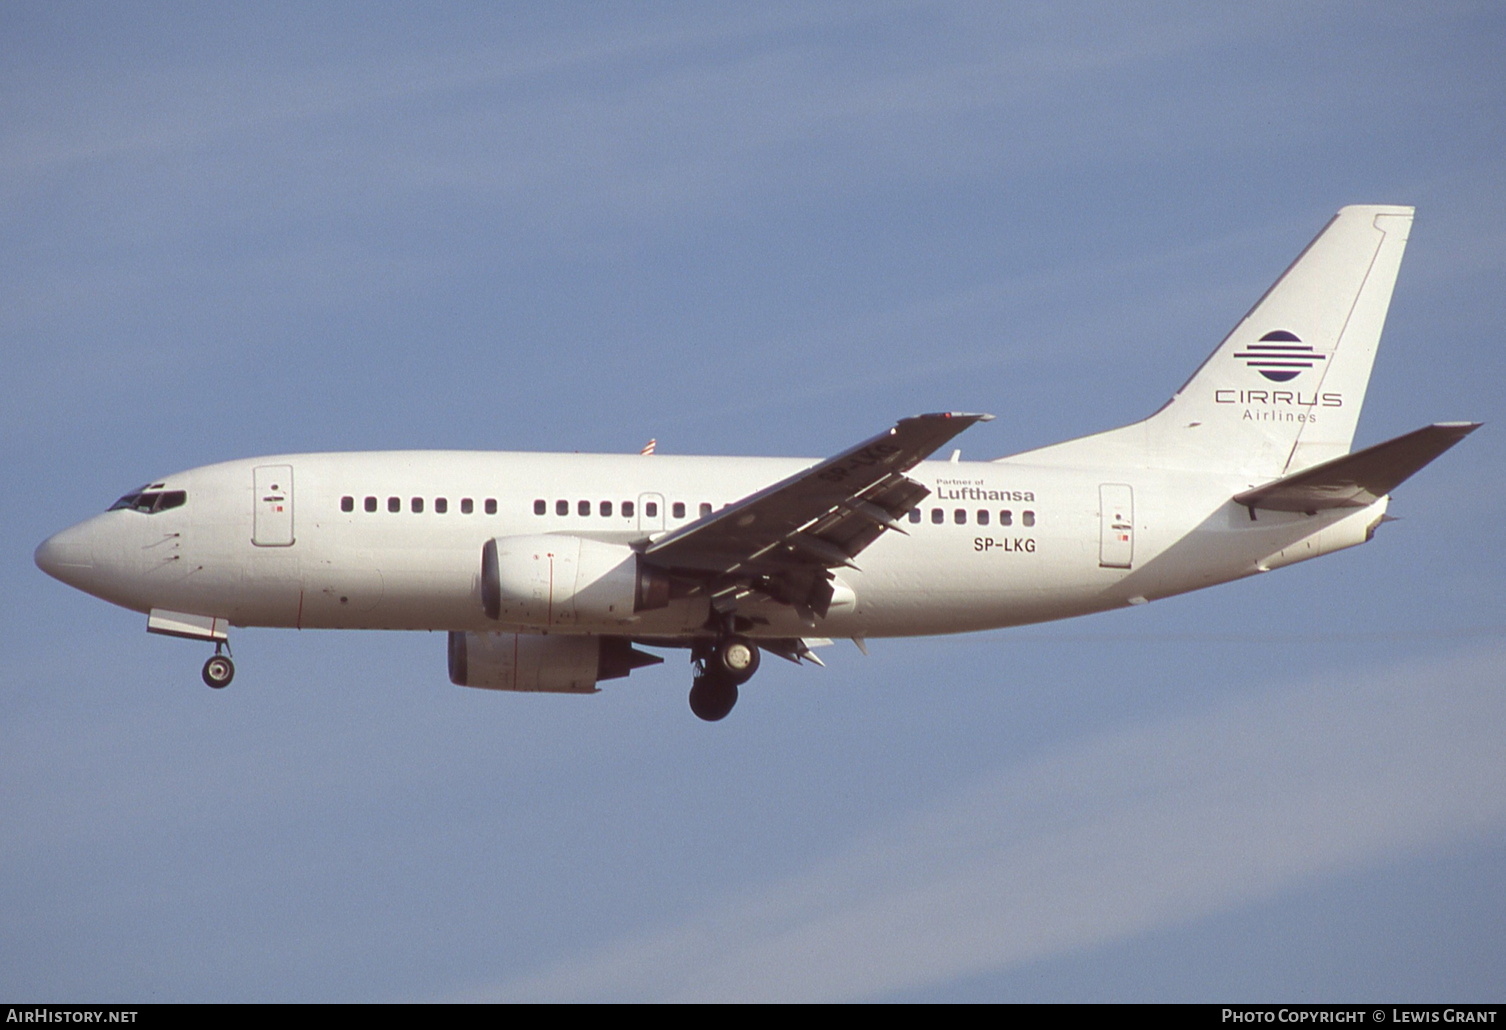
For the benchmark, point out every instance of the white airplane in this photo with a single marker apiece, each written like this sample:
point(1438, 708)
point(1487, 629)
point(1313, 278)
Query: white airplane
point(549, 571)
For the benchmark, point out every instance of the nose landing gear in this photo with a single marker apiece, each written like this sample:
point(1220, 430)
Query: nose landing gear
point(219, 670)
point(721, 668)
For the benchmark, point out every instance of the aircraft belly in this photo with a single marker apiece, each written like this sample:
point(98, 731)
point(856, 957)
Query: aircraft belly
point(342, 593)
point(269, 593)
point(962, 583)
point(393, 588)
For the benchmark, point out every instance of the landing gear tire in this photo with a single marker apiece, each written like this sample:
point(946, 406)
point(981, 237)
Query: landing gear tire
point(712, 696)
point(736, 658)
point(219, 671)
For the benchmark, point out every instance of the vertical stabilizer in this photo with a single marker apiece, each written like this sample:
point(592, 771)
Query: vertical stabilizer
point(1284, 389)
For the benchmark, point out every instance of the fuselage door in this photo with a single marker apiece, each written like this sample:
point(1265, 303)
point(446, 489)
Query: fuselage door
point(272, 518)
point(650, 513)
point(1116, 526)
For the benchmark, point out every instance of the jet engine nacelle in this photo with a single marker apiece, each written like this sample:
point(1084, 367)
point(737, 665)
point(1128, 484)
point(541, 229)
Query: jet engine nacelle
point(535, 662)
point(550, 581)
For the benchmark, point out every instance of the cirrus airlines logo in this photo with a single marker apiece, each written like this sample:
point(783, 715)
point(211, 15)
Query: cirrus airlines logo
point(1280, 356)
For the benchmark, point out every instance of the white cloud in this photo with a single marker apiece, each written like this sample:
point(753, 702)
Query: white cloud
point(1129, 830)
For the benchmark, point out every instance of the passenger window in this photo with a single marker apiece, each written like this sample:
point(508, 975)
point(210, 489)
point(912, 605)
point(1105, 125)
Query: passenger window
point(914, 514)
point(491, 506)
point(705, 509)
point(347, 504)
point(418, 505)
point(627, 509)
point(562, 507)
point(1006, 518)
point(582, 508)
point(937, 516)
point(467, 506)
point(960, 516)
point(678, 510)
point(1027, 518)
point(539, 507)
point(441, 505)
point(982, 516)
point(651, 509)
point(371, 504)
point(605, 507)
point(394, 504)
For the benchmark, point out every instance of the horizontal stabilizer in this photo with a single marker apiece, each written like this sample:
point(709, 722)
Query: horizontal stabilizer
point(1358, 480)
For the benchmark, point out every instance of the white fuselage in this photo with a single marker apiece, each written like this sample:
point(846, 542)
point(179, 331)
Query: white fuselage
point(269, 542)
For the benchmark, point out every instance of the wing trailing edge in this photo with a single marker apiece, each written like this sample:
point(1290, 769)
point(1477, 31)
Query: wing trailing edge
point(819, 518)
point(1360, 479)
point(783, 541)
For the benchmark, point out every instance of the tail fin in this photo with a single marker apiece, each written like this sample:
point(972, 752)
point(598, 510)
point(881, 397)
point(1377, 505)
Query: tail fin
point(1283, 391)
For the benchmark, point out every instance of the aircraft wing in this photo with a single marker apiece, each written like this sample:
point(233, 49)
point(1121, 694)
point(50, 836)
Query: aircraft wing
point(1360, 479)
point(788, 535)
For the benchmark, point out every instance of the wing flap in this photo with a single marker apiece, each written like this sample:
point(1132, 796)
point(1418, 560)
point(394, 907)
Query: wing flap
point(1360, 479)
point(820, 518)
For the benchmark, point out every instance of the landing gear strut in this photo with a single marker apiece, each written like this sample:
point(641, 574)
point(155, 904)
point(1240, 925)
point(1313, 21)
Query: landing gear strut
point(219, 670)
point(721, 669)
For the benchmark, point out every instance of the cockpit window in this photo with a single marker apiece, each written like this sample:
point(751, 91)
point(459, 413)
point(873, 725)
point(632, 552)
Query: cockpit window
point(150, 502)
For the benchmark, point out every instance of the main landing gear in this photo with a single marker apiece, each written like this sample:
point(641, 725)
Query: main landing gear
point(219, 670)
point(721, 668)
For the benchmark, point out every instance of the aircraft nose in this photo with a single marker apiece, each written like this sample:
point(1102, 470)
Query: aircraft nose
point(67, 555)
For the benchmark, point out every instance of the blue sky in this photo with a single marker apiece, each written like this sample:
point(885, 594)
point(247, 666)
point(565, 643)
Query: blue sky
point(774, 230)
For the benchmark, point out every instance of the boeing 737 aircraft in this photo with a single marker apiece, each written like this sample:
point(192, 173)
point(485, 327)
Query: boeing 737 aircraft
point(551, 571)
